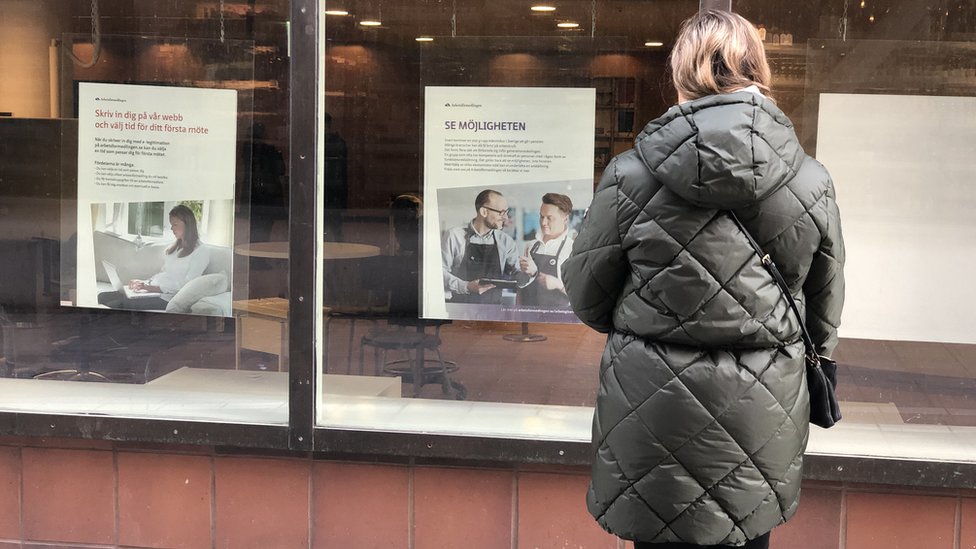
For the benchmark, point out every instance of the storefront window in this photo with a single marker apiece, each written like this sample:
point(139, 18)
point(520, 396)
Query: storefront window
point(143, 160)
point(145, 147)
point(881, 92)
point(435, 108)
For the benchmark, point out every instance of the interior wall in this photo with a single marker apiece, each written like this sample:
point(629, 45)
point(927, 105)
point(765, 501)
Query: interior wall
point(374, 93)
point(27, 28)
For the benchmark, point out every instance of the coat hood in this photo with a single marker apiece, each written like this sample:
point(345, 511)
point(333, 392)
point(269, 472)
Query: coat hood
point(722, 151)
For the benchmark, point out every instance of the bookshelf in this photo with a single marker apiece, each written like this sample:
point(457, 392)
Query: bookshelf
point(616, 108)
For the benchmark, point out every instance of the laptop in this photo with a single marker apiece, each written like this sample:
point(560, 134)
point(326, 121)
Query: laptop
point(113, 277)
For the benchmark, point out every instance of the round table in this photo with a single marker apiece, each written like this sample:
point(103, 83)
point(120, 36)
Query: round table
point(331, 250)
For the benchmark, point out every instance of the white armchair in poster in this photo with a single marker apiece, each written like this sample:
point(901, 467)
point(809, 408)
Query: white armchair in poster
point(205, 295)
point(508, 173)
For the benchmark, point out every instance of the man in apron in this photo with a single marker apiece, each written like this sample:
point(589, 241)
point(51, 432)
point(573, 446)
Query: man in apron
point(479, 251)
point(544, 257)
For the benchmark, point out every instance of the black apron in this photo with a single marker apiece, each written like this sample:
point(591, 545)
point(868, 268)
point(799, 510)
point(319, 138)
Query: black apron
point(534, 294)
point(480, 261)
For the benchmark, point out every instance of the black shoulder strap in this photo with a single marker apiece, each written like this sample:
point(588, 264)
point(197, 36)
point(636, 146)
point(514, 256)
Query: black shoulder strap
point(771, 267)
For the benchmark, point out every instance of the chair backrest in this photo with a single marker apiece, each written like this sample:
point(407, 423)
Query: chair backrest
point(404, 286)
point(405, 213)
point(393, 285)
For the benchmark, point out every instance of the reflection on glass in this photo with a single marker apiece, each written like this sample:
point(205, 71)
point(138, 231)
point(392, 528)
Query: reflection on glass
point(832, 47)
point(138, 247)
point(373, 327)
point(877, 90)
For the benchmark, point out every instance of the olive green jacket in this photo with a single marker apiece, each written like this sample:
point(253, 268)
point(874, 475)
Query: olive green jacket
point(702, 413)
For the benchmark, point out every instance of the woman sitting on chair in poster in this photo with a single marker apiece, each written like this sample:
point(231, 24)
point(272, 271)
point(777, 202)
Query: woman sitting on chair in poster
point(185, 260)
point(544, 257)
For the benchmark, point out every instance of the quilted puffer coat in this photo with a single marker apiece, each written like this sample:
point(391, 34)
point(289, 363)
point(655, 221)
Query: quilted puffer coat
point(702, 414)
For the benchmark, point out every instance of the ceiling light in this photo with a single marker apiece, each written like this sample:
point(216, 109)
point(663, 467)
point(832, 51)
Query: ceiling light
point(543, 7)
point(424, 39)
point(653, 44)
point(567, 25)
point(336, 12)
point(370, 23)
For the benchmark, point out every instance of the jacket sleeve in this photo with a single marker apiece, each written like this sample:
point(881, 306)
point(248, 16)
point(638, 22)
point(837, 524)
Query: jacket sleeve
point(595, 271)
point(824, 285)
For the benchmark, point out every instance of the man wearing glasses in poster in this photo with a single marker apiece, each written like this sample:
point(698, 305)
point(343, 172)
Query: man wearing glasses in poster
point(479, 258)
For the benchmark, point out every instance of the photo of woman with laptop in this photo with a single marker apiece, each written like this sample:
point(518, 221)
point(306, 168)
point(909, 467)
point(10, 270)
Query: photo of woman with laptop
point(183, 261)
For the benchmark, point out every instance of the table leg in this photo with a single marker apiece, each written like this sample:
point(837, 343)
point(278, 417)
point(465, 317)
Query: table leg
point(325, 338)
point(238, 339)
point(283, 357)
point(418, 367)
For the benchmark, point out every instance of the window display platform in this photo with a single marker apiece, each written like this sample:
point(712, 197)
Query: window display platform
point(572, 424)
point(194, 394)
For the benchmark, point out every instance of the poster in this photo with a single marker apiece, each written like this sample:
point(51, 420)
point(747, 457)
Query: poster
point(905, 190)
point(508, 174)
point(156, 175)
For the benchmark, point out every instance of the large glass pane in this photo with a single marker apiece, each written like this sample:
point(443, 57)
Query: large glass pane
point(400, 351)
point(882, 92)
point(142, 154)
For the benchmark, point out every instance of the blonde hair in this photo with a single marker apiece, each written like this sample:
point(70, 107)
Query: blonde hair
point(718, 52)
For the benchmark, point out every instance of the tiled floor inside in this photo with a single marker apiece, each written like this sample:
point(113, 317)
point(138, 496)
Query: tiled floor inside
point(881, 381)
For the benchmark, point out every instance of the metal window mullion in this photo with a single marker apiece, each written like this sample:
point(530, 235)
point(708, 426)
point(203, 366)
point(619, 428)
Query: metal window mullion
point(304, 140)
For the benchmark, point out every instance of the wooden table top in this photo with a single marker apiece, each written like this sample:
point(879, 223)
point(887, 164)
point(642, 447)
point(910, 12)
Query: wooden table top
point(276, 307)
point(332, 250)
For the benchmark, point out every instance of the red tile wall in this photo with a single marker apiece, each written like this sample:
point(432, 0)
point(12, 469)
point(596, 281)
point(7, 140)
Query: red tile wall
point(359, 505)
point(967, 534)
point(552, 513)
point(164, 500)
point(896, 521)
point(467, 508)
point(261, 503)
point(102, 496)
point(816, 525)
point(9, 492)
point(68, 495)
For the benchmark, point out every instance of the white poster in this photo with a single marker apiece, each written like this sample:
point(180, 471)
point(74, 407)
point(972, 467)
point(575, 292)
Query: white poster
point(508, 173)
point(156, 174)
point(902, 166)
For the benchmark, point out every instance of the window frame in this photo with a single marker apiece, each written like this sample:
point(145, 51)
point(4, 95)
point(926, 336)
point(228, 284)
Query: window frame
point(301, 435)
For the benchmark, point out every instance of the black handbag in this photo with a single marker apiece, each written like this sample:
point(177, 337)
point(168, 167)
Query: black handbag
point(821, 371)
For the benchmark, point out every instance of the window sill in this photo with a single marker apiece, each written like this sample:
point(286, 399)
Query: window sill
point(880, 453)
point(457, 418)
point(154, 400)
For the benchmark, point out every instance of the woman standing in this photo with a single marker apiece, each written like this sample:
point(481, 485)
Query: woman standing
point(702, 414)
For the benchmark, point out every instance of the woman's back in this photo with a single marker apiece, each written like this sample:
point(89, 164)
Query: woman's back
point(702, 415)
point(694, 278)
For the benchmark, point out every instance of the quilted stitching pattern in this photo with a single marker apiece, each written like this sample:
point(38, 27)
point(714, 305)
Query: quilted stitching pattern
point(701, 417)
